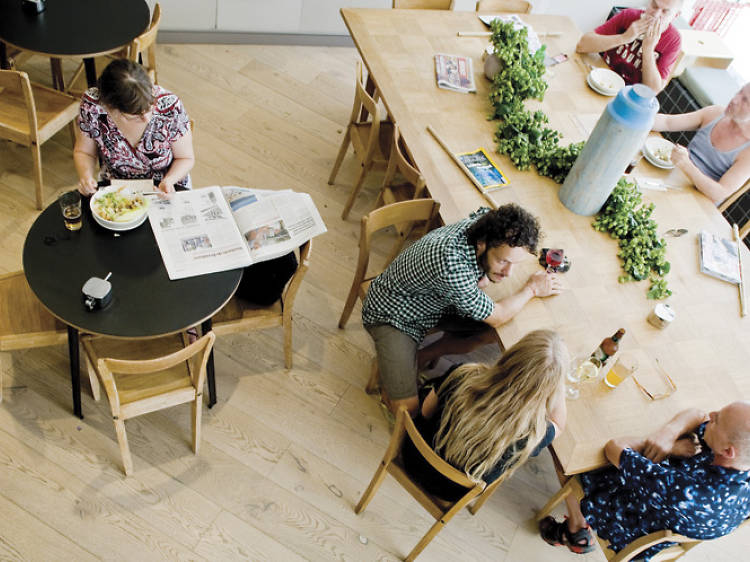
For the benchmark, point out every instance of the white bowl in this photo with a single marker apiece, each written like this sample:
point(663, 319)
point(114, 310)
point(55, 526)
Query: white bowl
point(605, 81)
point(651, 150)
point(118, 226)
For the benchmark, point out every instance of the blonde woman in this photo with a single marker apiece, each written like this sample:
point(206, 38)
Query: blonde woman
point(487, 420)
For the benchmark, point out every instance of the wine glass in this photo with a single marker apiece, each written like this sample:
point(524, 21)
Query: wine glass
point(582, 368)
point(554, 259)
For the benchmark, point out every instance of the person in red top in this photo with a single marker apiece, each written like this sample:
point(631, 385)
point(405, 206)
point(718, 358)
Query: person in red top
point(640, 45)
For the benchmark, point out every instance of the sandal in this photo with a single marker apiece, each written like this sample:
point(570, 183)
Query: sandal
point(557, 533)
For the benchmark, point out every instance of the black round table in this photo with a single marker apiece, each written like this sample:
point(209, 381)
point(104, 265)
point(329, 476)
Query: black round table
point(84, 28)
point(145, 303)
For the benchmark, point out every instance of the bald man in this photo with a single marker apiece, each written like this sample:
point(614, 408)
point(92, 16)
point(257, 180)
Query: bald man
point(692, 477)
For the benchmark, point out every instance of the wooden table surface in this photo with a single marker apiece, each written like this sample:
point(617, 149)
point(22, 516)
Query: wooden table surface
point(706, 350)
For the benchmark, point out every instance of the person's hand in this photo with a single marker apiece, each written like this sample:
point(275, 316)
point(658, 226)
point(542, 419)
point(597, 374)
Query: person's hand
point(87, 186)
point(680, 157)
point(166, 186)
point(637, 28)
point(543, 284)
point(686, 447)
point(658, 446)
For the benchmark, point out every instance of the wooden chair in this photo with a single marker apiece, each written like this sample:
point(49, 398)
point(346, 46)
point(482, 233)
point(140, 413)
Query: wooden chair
point(504, 6)
point(415, 186)
point(142, 49)
point(148, 375)
point(369, 135)
point(404, 212)
point(24, 322)
point(729, 202)
point(638, 546)
point(442, 510)
point(30, 114)
point(422, 4)
point(240, 316)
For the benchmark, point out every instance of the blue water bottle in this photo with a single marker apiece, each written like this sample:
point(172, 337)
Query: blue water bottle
point(617, 137)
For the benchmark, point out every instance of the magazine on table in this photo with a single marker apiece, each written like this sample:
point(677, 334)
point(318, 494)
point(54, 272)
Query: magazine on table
point(220, 228)
point(518, 23)
point(719, 257)
point(455, 72)
point(484, 173)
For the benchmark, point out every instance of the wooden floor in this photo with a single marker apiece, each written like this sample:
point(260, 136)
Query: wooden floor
point(285, 455)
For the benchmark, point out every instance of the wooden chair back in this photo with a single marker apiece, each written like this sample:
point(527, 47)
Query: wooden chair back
point(398, 161)
point(30, 114)
point(18, 120)
point(415, 211)
point(422, 4)
point(504, 6)
point(139, 379)
point(143, 47)
point(240, 316)
point(24, 322)
point(442, 510)
point(635, 548)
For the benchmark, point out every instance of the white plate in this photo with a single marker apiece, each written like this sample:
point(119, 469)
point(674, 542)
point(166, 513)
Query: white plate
point(116, 226)
point(653, 144)
point(605, 81)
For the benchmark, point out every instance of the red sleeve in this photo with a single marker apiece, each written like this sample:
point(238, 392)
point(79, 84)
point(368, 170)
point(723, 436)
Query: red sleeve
point(619, 22)
point(668, 49)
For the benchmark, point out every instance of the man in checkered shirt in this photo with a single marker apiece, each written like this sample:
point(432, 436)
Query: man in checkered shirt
point(438, 282)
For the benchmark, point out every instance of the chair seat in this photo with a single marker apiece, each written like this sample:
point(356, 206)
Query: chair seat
point(361, 133)
point(238, 313)
point(134, 387)
point(53, 108)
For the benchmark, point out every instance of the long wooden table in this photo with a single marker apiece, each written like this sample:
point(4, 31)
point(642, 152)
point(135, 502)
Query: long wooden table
point(707, 348)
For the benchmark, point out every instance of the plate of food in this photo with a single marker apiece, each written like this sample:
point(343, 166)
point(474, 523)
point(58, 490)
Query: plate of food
point(605, 81)
point(119, 208)
point(658, 151)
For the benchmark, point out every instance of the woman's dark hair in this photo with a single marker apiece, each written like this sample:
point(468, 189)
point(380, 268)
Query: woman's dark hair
point(125, 86)
point(510, 225)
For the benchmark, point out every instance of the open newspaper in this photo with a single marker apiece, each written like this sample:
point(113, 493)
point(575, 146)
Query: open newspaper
point(219, 228)
point(455, 72)
point(518, 23)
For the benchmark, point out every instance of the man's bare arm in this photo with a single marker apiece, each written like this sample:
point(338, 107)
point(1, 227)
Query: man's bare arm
point(541, 284)
point(593, 42)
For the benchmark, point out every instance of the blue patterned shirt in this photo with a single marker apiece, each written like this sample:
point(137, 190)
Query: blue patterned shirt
point(689, 496)
point(435, 276)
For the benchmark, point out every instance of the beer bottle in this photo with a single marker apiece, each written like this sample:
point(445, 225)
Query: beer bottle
point(608, 347)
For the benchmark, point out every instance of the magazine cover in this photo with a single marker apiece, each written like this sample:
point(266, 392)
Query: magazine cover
point(483, 170)
point(455, 72)
point(719, 257)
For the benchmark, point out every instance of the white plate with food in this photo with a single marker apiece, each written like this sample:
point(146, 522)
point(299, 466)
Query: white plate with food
point(605, 81)
point(119, 208)
point(658, 151)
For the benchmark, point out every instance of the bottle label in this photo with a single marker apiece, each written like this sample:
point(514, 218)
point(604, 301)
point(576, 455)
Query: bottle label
point(600, 355)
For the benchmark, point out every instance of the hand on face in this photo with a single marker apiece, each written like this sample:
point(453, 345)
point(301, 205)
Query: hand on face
point(638, 27)
point(543, 284)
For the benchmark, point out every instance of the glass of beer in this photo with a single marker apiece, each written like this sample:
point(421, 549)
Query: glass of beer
point(70, 205)
point(625, 366)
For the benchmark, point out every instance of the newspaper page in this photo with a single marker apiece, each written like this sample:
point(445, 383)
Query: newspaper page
point(455, 72)
point(719, 257)
point(532, 38)
point(273, 223)
point(196, 233)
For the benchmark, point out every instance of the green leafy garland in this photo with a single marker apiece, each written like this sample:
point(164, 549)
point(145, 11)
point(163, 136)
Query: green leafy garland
point(641, 250)
point(523, 135)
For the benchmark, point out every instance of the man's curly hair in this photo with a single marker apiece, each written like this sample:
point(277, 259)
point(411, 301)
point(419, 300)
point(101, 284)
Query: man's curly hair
point(510, 225)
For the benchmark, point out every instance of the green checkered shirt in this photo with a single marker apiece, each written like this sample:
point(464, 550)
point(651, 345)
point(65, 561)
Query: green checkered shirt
point(435, 276)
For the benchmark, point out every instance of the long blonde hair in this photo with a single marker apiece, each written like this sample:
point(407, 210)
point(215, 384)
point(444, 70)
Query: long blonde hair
point(491, 407)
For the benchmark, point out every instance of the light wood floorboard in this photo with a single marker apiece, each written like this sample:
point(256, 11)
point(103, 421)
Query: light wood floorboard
point(285, 454)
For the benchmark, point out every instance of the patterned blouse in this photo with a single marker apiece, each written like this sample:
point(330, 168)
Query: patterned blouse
point(435, 276)
point(689, 496)
point(152, 156)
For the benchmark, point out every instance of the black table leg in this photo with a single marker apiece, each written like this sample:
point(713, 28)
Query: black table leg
point(90, 66)
point(205, 328)
point(75, 370)
point(4, 62)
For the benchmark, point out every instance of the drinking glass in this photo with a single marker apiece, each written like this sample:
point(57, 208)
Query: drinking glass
point(70, 205)
point(554, 259)
point(582, 369)
point(625, 366)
